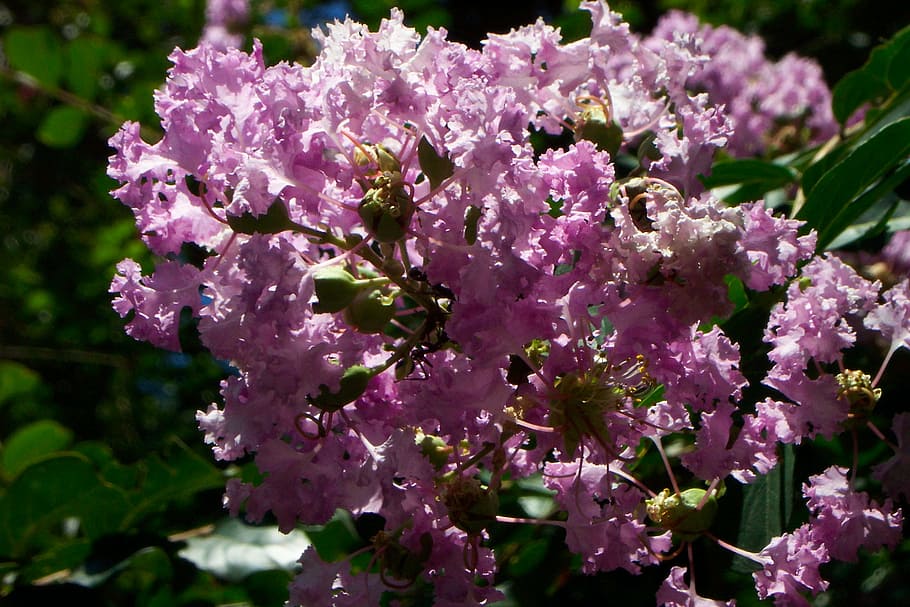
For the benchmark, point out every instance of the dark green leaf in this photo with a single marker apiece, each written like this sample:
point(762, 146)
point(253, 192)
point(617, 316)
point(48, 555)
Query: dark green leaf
point(35, 51)
point(31, 443)
point(176, 474)
point(68, 554)
point(17, 382)
point(437, 168)
point(530, 556)
point(736, 292)
point(878, 78)
point(882, 192)
point(54, 489)
point(62, 127)
point(336, 539)
point(817, 170)
point(833, 203)
point(899, 68)
point(274, 220)
point(748, 171)
point(84, 59)
point(767, 508)
point(268, 588)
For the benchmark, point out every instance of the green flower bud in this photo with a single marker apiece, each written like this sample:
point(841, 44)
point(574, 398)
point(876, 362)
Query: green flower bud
point(370, 311)
point(436, 450)
point(336, 288)
point(353, 383)
point(387, 208)
point(680, 513)
point(471, 507)
point(592, 124)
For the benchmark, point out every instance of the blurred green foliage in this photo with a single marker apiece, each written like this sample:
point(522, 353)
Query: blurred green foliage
point(103, 476)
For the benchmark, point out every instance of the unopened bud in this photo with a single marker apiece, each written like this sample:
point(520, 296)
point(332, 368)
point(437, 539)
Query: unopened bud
point(369, 311)
point(336, 288)
point(353, 383)
point(680, 513)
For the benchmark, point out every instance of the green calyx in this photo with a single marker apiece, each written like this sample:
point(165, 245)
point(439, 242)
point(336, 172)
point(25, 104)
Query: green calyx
point(353, 383)
point(370, 311)
point(387, 208)
point(580, 404)
point(856, 387)
point(680, 513)
point(435, 449)
point(471, 506)
point(336, 288)
point(592, 124)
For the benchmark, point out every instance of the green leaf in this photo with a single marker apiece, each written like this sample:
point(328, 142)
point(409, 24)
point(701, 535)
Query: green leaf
point(836, 200)
point(17, 382)
point(46, 493)
point(437, 168)
point(336, 539)
point(768, 175)
point(767, 508)
point(63, 127)
point(268, 588)
point(274, 220)
point(529, 557)
point(887, 70)
point(899, 70)
point(178, 473)
point(234, 550)
point(68, 554)
point(35, 51)
point(879, 218)
point(736, 292)
point(31, 443)
point(84, 61)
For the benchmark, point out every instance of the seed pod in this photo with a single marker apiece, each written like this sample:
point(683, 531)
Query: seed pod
point(471, 507)
point(336, 288)
point(592, 124)
point(369, 311)
point(386, 210)
point(353, 383)
point(680, 513)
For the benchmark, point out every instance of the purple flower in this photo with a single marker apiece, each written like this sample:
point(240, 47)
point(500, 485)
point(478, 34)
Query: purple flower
point(675, 592)
point(791, 563)
point(846, 520)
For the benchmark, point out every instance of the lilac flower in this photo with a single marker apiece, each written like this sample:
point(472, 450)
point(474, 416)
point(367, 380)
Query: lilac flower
point(845, 520)
point(604, 524)
point(791, 563)
point(892, 318)
point(156, 300)
point(897, 252)
point(813, 323)
point(771, 105)
point(675, 592)
point(409, 293)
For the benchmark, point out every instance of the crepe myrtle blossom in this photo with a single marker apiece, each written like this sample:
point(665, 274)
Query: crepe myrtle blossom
point(417, 303)
point(772, 106)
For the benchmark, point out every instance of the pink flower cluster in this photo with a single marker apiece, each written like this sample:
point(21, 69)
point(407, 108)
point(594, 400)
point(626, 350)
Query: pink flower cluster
point(773, 106)
point(410, 294)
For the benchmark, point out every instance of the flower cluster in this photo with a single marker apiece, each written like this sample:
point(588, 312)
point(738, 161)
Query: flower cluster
point(418, 302)
point(773, 106)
